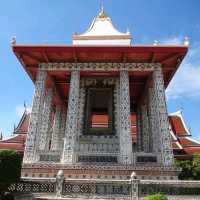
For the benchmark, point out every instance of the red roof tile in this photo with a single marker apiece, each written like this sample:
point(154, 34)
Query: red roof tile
point(192, 150)
point(12, 146)
point(177, 126)
point(23, 124)
point(15, 139)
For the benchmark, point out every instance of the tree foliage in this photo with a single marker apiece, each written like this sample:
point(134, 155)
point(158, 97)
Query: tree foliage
point(10, 168)
point(157, 197)
point(190, 168)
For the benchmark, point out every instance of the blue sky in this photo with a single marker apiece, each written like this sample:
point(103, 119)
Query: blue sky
point(54, 22)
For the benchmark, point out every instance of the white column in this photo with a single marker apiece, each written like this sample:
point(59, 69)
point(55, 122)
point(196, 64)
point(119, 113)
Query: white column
point(45, 133)
point(117, 107)
point(126, 153)
point(139, 130)
point(35, 120)
point(145, 129)
point(81, 109)
point(57, 134)
point(71, 132)
point(155, 146)
point(62, 126)
point(161, 116)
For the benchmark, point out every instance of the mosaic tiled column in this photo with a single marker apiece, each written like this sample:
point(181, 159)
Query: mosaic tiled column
point(139, 130)
point(145, 129)
point(45, 134)
point(117, 106)
point(126, 153)
point(57, 134)
point(81, 108)
point(62, 126)
point(155, 145)
point(35, 120)
point(161, 118)
point(71, 131)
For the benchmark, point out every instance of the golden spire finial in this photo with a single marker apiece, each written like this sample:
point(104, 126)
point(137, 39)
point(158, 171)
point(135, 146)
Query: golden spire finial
point(102, 14)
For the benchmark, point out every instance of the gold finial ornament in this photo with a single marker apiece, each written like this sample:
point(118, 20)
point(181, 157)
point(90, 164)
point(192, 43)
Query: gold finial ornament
point(102, 13)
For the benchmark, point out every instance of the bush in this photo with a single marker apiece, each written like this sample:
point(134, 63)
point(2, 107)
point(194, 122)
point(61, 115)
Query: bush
point(10, 168)
point(190, 168)
point(157, 197)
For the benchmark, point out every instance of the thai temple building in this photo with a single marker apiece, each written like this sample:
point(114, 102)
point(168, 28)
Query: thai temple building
point(99, 108)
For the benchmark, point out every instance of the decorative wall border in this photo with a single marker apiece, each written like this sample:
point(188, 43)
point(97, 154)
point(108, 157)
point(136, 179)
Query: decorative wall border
point(99, 66)
point(99, 167)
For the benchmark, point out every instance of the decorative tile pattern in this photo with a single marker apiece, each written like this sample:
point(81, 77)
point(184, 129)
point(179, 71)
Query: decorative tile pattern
point(156, 146)
point(126, 153)
point(57, 134)
point(71, 131)
point(139, 130)
point(81, 109)
point(33, 133)
point(62, 126)
point(145, 129)
point(99, 66)
point(45, 133)
point(162, 118)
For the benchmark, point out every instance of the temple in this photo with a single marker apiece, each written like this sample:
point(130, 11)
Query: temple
point(99, 108)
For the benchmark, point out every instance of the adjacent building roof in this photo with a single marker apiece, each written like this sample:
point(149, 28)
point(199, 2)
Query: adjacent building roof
point(17, 141)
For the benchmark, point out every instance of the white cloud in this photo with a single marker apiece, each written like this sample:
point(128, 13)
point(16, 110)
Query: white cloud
point(172, 41)
point(186, 82)
point(20, 110)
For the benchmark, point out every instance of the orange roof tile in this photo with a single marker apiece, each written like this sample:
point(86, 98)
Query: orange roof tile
point(177, 126)
point(192, 150)
point(21, 138)
point(23, 124)
point(12, 146)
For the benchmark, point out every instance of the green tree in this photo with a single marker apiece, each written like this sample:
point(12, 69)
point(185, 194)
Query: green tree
point(190, 168)
point(157, 197)
point(196, 167)
point(10, 168)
